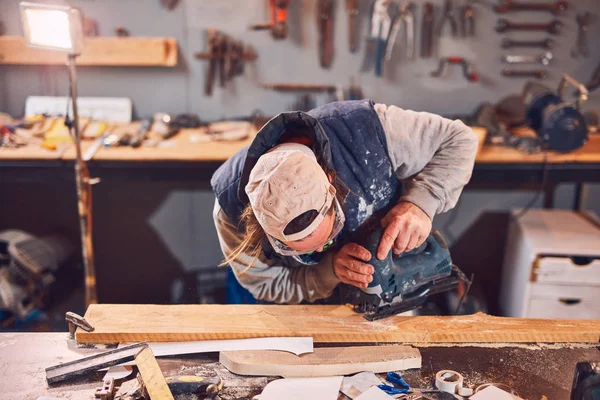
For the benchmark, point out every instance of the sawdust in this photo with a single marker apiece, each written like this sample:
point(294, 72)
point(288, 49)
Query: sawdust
point(527, 346)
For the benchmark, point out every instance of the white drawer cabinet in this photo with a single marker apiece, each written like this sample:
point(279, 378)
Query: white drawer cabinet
point(551, 266)
point(564, 302)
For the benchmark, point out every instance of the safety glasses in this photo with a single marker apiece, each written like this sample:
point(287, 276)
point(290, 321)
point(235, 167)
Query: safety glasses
point(338, 224)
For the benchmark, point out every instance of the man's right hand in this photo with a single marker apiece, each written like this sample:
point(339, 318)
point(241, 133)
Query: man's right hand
point(350, 265)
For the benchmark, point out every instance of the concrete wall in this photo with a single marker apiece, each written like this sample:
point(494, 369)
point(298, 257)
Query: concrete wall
point(175, 218)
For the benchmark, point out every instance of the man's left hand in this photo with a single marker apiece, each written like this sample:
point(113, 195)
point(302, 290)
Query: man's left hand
point(406, 227)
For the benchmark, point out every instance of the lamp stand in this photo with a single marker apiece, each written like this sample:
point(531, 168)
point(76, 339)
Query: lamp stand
point(84, 194)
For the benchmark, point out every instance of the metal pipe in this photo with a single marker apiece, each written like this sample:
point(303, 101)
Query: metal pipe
point(84, 194)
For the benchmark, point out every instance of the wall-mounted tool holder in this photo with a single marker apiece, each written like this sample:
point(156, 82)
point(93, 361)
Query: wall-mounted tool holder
point(227, 58)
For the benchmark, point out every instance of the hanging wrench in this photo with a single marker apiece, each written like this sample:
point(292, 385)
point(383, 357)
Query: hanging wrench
point(504, 25)
point(509, 5)
point(352, 10)
point(537, 73)
point(581, 47)
point(427, 31)
point(408, 17)
point(448, 15)
point(543, 59)
point(545, 44)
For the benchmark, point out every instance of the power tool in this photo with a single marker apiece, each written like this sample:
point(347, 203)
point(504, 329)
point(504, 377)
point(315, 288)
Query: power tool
point(586, 382)
point(558, 122)
point(404, 282)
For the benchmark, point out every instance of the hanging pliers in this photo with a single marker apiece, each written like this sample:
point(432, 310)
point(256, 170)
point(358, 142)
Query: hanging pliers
point(380, 30)
point(448, 15)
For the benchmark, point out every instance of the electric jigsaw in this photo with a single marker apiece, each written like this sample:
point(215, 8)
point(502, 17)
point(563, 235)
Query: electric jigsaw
point(403, 283)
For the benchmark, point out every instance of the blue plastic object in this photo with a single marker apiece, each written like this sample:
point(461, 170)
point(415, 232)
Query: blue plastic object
point(400, 385)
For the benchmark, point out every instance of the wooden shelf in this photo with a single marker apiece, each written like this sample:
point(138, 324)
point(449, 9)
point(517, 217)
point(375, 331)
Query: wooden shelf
point(98, 51)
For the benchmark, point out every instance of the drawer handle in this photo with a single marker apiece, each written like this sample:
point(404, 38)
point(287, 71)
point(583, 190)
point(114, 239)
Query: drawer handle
point(582, 261)
point(569, 302)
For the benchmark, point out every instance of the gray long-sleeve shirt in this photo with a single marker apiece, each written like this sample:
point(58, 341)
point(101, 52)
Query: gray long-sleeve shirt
point(433, 156)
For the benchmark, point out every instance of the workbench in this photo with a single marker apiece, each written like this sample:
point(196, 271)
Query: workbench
point(182, 160)
point(532, 370)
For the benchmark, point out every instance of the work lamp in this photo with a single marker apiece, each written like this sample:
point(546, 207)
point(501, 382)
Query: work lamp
point(60, 28)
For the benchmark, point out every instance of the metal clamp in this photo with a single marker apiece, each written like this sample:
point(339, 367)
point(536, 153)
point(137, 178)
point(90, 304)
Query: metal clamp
point(77, 321)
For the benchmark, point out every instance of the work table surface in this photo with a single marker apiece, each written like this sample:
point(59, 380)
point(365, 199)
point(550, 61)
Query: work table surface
point(533, 371)
point(181, 148)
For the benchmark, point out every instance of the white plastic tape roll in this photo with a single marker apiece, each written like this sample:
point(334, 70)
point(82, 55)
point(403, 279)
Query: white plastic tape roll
point(448, 381)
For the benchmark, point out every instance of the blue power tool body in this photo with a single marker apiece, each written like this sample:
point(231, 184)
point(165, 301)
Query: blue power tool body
point(402, 283)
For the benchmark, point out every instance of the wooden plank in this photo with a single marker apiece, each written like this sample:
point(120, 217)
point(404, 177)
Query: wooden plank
point(330, 324)
point(154, 380)
point(98, 51)
point(325, 361)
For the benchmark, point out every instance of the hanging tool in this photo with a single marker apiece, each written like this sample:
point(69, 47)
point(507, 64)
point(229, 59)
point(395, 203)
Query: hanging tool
point(394, 14)
point(427, 31)
point(545, 44)
point(406, 16)
point(325, 27)
point(594, 83)
point(299, 87)
point(536, 73)
point(226, 57)
point(448, 16)
point(559, 123)
point(552, 27)
point(278, 23)
point(352, 10)
point(583, 24)
point(380, 30)
point(510, 5)
point(470, 75)
point(544, 59)
point(467, 21)
point(215, 41)
point(404, 283)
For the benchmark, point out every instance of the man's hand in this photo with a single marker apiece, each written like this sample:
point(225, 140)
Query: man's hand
point(350, 267)
point(406, 227)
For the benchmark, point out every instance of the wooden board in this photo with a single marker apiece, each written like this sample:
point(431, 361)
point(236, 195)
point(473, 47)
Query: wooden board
point(333, 324)
point(154, 380)
point(98, 51)
point(325, 361)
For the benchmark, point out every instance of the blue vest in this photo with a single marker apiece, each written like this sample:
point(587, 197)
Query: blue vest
point(348, 137)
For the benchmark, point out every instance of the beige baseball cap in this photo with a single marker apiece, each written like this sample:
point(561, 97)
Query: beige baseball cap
point(285, 183)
